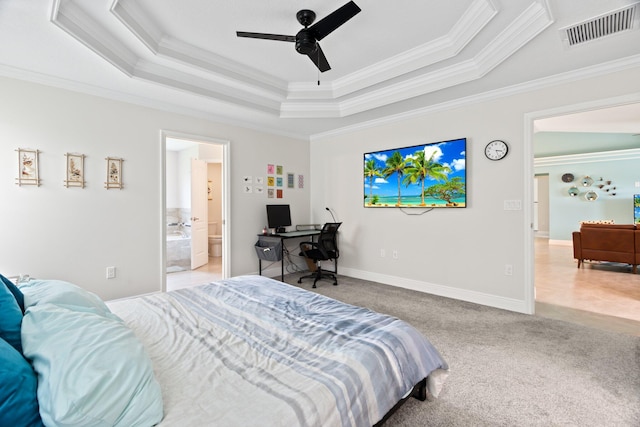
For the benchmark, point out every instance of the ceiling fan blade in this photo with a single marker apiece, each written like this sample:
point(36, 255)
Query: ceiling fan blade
point(319, 60)
point(329, 23)
point(264, 36)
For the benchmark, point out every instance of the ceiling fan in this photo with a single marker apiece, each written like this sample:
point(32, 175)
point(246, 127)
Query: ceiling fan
point(307, 39)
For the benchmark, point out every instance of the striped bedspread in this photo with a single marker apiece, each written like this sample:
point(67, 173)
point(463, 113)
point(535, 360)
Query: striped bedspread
point(252, 351)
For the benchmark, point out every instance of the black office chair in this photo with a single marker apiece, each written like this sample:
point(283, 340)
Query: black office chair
point(325, 249)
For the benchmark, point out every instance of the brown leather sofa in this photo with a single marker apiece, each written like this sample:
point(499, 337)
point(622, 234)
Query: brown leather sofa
point(607, 242)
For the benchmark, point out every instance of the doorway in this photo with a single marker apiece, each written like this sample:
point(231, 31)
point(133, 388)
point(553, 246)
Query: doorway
point(553, 265)
point(195, 210)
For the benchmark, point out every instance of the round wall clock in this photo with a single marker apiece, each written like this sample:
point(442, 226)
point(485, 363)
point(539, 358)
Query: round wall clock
point(496, 150)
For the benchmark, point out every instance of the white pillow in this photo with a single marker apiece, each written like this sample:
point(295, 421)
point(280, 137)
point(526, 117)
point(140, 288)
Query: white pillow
point(92, 370)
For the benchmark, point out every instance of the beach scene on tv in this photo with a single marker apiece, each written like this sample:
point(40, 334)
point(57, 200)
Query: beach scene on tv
point(422, 176)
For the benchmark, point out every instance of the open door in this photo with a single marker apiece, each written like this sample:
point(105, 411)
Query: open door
point(199, 214)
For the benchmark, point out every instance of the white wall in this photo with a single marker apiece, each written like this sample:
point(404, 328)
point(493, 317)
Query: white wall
point(459, 253)
point(74, 234)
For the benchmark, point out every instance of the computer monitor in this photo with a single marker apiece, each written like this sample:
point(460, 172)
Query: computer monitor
point(278, 217)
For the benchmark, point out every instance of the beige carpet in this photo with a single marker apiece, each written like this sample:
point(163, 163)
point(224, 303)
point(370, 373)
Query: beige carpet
point(508, 369)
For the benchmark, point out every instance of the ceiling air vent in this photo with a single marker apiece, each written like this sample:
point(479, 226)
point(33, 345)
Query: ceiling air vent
point(616, 21)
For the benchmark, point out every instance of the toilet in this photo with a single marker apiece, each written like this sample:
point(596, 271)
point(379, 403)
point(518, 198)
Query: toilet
point(215, 240)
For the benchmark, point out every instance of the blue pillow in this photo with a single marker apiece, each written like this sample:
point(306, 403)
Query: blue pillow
point(61, 293)
point(92, 370)
point(10, 318)
point(14, 290)
point(18, 402)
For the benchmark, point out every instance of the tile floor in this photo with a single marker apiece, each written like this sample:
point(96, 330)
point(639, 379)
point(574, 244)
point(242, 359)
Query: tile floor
point(601, 295)
point(207, 273)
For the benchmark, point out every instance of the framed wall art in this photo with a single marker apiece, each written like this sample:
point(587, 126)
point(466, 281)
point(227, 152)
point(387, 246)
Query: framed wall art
point(114, 173)
point(28, 167)
point(75, 170)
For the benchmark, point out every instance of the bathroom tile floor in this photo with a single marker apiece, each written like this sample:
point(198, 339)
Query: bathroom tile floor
point(207, 273)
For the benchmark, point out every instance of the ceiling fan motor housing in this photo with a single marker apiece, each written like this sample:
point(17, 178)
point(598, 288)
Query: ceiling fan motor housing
point(305, 42)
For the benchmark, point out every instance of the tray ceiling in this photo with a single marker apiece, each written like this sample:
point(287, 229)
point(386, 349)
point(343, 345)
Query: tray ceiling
point(391, 58)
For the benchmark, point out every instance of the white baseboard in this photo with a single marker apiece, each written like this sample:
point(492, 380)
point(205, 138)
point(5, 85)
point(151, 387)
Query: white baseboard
point(495, 301)
point(510, 304)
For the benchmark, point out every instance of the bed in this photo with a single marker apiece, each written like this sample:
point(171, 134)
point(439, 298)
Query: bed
point(254, 351)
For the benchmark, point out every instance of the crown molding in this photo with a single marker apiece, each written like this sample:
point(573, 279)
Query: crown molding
point(602, 156)
point(75, 22)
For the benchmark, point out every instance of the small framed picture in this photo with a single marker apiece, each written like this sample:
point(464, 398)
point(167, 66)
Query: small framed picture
point(28, 167)
point(290, 180)
point(258, 189)
point(270, 193)
point(300, 181)
point(279, 181)
point(114, 173)
point(75, 170)
point(279, 170)
point(270, 169)
point(271, 181)
point(209, 190)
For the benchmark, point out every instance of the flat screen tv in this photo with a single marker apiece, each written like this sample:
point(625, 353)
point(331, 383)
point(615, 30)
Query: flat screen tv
point(420, 176)
point(636, 208)
point(278, 217)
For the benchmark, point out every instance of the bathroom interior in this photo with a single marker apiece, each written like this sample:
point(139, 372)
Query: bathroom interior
point(179, 266)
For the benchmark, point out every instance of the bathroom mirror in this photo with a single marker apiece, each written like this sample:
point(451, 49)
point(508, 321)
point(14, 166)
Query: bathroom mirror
point(591, 196)
point(573, 191)
point(587, 181)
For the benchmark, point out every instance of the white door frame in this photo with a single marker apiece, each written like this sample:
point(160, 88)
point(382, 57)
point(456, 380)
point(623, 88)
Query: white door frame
point(226, 205)
point(529, 119)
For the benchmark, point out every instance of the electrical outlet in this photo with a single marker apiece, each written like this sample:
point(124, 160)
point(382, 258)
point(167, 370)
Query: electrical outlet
point(395, 254)
point(111, 272)
point(508, 270)
point(383, 253)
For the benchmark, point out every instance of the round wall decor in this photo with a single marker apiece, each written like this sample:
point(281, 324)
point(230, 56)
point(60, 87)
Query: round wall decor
point(567, 177)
